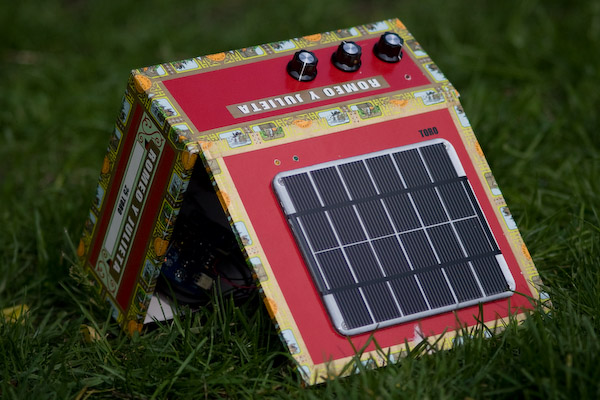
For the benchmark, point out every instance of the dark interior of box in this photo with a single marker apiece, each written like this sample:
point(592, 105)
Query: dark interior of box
point(203, 254)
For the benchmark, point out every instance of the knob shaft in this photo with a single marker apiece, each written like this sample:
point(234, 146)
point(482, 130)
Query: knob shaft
point(389, 47)
point(303, 66)
point(347, 57)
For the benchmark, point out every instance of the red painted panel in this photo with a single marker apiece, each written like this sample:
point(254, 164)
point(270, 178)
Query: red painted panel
point(205, 96)
point(252, 173)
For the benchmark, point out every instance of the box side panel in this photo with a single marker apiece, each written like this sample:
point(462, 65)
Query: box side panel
point(141, 186)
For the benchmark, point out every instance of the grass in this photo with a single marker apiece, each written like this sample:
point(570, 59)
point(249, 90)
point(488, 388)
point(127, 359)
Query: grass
point(528, 73)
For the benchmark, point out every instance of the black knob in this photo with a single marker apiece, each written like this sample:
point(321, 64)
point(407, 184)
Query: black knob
point(303, 66)
point(389, 47)
point(347, 56)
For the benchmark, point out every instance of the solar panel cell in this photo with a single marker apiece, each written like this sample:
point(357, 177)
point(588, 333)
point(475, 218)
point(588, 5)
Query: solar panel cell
point(301, 192)
point(402, 212)
point(381, 302)
point(409, 295)
point(384, 173)
point(445, 243)
point(411, 168)
point(363, 262)
point(391, 256)
point(439, 164)
point(329, 186)
point(357, 180)
point(490, 275)
point(354, 313)
point(463, 282)
point(374, 218)
point(346, 224)
point(335, 269)
point(429, 206)
point(436, 288)
point(418, 249)
point(473, 237)
point(455, 200)
point(318, 231)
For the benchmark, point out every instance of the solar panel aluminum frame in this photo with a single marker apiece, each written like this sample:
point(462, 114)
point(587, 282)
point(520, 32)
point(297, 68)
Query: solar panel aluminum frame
point(332, 305)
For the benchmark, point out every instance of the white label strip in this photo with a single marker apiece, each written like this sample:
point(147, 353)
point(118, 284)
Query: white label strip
point(135, 164)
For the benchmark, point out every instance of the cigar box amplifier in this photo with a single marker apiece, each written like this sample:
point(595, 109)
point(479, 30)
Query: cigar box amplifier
point(335, 173)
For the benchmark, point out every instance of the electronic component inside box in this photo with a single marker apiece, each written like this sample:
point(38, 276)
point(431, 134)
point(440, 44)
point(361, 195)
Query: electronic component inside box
point(336, 174)
point(203, 251)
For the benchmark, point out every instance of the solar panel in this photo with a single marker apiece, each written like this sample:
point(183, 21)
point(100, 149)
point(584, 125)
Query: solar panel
point(393, 236)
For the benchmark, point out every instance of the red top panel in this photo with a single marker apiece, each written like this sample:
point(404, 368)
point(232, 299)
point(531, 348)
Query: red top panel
point(204, 97)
